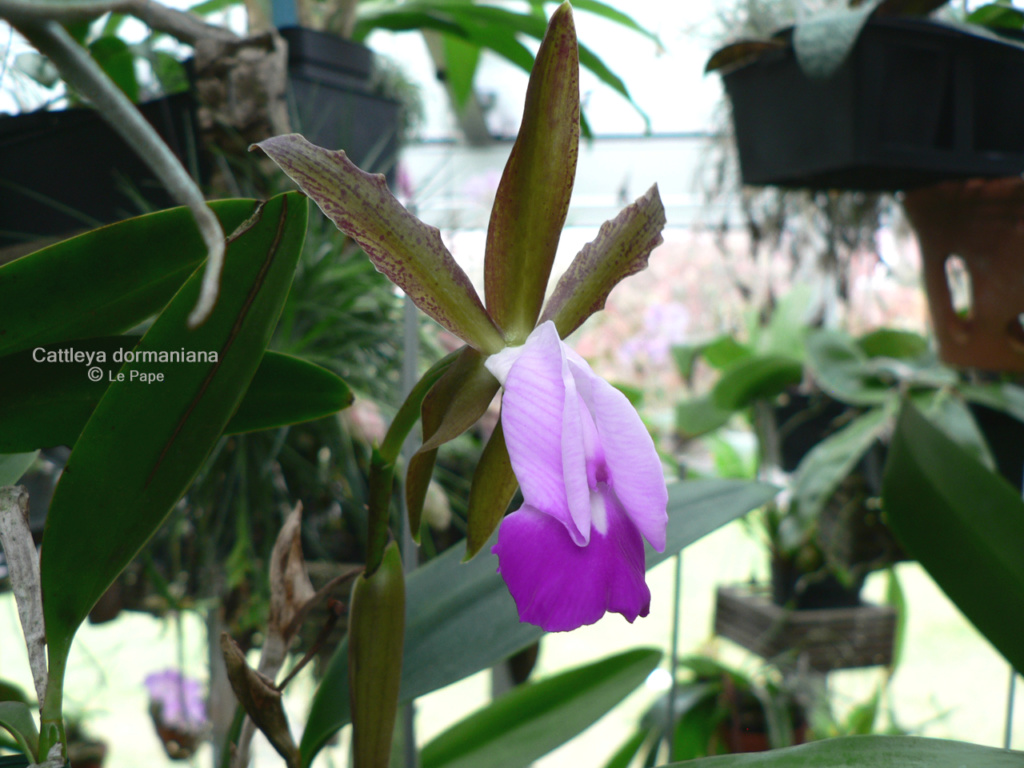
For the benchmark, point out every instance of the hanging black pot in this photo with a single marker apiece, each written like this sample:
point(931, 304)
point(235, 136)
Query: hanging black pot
point(915, 102)
point(332, 100)
point(66, 171)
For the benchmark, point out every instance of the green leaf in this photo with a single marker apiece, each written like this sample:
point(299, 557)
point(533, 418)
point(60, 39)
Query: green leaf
point(998, 16)
point(870, 752)
point(722, 352)
point(460, 59)
point(288, 390)
point(376, 630)
point(467, 607)
point(16, 718)
point(950, 414)
point(843, 370)
point(889, 342)
point(964, 524)
point(621, 249)
point(756, 378)
point(14, 465)
point(401, 246)
point(623, 757)
point(824, 467)
point(46, 404)
point(699, 416)
point(532, 719)
point(118, 62)
point(145, 442)
point(105, 281)
point(532, 200)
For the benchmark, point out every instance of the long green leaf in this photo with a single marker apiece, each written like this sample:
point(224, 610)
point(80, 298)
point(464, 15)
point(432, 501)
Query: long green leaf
point(754, 378)
point(16, 718)
point(466, 606)
point(46, 404)
point(533, 719)
point(105, 281)
point(830, 461)
point(145, 442)
point(870, 752)
point(964, 524)
point(14, 465)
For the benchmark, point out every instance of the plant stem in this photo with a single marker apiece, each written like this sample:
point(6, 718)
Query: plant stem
point(51, 714)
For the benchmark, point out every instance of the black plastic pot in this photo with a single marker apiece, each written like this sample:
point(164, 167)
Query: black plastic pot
point(332, 102)
point(807, 592)
point(13, 761)
point(915, 103)
point(65, 171)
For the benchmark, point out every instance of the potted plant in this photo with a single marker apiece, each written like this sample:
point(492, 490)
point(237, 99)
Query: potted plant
point(719, 709)
point(875, 98)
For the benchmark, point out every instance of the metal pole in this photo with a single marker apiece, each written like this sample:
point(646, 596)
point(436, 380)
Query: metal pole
point(1008, 735)
point(410, 359)
point(677, 602)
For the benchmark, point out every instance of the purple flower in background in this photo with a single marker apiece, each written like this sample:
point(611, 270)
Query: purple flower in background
point(592, 488)
point(176, 701)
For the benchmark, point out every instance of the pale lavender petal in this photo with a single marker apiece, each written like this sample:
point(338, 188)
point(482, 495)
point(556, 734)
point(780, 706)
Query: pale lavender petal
point(633, 466)
point(532, 411)
point(560, 586)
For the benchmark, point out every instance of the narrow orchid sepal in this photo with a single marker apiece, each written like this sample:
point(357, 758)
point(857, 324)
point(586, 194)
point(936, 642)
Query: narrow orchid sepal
point(592, 486)
point(409, 252)
point(622, 248)
point(532, 200)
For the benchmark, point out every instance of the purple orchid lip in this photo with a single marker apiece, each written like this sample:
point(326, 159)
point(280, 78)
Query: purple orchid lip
point(592, 485)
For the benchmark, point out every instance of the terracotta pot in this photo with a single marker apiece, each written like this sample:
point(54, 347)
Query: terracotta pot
point(979, 225)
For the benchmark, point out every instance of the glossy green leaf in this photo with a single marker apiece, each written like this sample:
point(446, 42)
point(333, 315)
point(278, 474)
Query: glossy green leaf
point(491, 491)
point(624, 755)
point(949, 413)
point(532, 719)
point(870, 752)
point(843, 370)
point(118, 62)
point(288, 390)
point(47, 404)
point(756, 378)
point(145, 442)
point(621, 249)
point(16, 718)
point(376, 631)
point(400, 246)
point(998, 16)
point(466, 606)
point(890, 342)
point(722, 352)
point(824, 467)
point(461, 59)
point(532, 200)
point(14, 465)
point(699, 416)
point(105, 281)
point(964, 524)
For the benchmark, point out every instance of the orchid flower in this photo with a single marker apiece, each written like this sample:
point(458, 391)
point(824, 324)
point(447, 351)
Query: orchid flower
point(592, 486)
point(591, 479)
